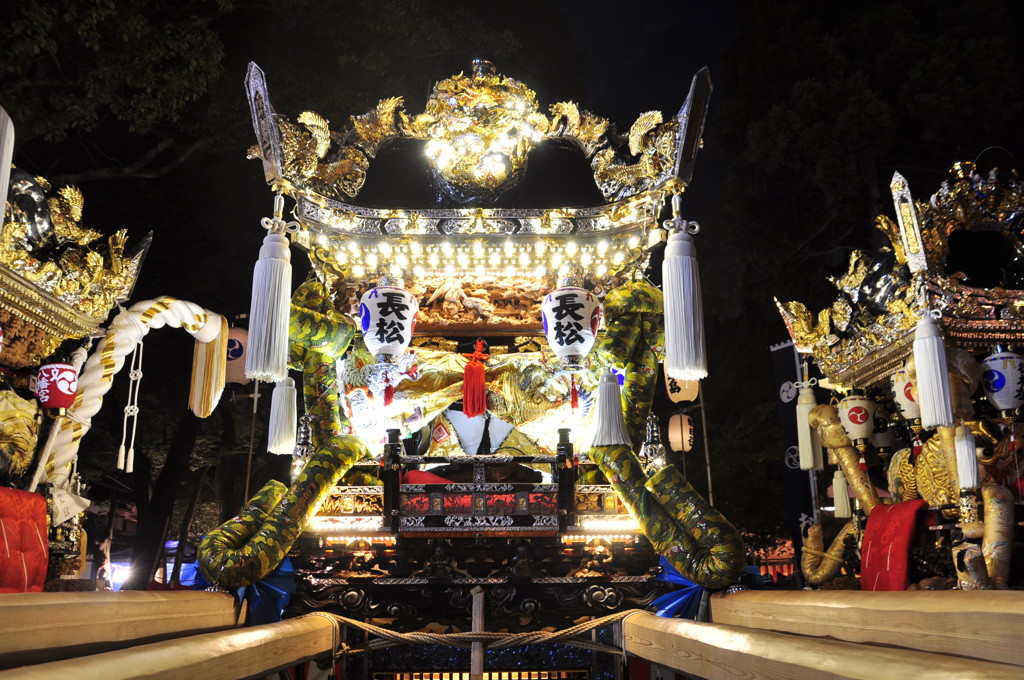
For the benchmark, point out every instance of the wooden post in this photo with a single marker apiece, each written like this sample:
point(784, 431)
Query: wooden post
point(476, 661)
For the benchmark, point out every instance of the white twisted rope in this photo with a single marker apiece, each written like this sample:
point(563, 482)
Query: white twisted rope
point(125, 332)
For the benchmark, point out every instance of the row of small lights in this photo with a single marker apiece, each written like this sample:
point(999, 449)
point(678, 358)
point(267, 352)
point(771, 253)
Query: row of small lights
point(536, 259)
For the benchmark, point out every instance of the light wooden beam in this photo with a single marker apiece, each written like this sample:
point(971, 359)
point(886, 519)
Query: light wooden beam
point(227, 655)
point(38, 627)
point(983, 624)
point(715, 651)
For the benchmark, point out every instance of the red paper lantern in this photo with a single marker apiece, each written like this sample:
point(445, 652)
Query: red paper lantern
point(56, 385)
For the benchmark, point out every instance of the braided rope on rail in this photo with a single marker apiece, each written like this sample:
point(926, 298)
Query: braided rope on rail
point(389, 638)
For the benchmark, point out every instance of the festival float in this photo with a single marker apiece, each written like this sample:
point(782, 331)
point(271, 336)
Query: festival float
point(475, 464)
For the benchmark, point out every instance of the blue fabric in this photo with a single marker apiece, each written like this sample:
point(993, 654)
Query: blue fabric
point(267, 598)
point(682, 603)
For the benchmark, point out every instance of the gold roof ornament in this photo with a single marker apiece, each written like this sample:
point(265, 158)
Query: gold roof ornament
point(867, 333)
point(58, 279)
point(477, 132)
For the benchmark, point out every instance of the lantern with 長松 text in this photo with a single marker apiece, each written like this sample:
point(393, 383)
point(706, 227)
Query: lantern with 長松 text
point(571, 316)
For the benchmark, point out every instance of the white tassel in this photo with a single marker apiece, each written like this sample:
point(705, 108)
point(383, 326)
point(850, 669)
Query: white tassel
point(841, 496)
point(966, 458)
point(266, 357)
point(609, 423)
point(932, 375)
point(282, 418)
point(684, 316)
point(810, 447)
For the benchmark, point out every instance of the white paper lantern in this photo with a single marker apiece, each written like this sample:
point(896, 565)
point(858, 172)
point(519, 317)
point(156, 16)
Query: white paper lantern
point(571, 317)
point(1002, 380)
point(903, 394)
point(680, 433)
point(681, 390)
point(857, 414)
point(387, 319)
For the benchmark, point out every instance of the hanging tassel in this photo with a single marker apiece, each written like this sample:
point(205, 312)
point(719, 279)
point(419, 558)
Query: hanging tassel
point(916, 447)
point(609, 423)
point(574, 394)
point(283, 420)
point(209, 368)
point(389, 391)
point(126, 455)
point(474, 382)
point(266, 357)
point(841, 496)
point(807, 438)
point(684, 317)
point(863, 464)
point(966, 458)
point(932, 374)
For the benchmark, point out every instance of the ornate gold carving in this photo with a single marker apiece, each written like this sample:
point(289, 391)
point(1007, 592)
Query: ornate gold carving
point(875, 339)
point(19, 430)
point(656, 145)
point(58, 279)
point(584, 128)
point(479, 129)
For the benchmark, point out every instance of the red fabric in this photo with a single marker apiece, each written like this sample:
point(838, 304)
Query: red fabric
point(886, 546)
point(24, 552)
point(423, 477)
point(574, 394)
point(474, 382)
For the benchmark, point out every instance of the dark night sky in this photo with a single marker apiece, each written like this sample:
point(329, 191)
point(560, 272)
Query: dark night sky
point(793, 146)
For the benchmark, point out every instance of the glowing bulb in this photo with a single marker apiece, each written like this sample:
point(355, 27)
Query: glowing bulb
point(419, 271)
point(602, 247)
point(541, 270)
point(478, 248)
point(371, 260)
point(602, 269)
point(524, 260)
point(586, 259)
point(540, 248)
point(446, 248)
point(633, 242)
point(433, 259)
point(403, 261)
point(358, 271)
point(479, 270)
point(508, 247)
point(556, 260)
point(570, 248)
point(618, 257)
point(463, 260)
point(495, 259)
point(509, 271)
point(449, 270)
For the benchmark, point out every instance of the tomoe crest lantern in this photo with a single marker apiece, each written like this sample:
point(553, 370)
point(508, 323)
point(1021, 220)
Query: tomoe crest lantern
point(1002, 380)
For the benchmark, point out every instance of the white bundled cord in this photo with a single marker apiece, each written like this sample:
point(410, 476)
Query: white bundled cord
point(685, 355)
point(266, 357)
point(283, 420)
point(810, 447)
point(932, 372)
point(131, 412)
point(841, 495)
point(609, 423)
point(966, 458)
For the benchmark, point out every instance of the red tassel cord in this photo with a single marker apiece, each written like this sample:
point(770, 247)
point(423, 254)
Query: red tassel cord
point(574, 394)
point(863, 464)
point(916, 446)
point(474, 382)
point(389, 392)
